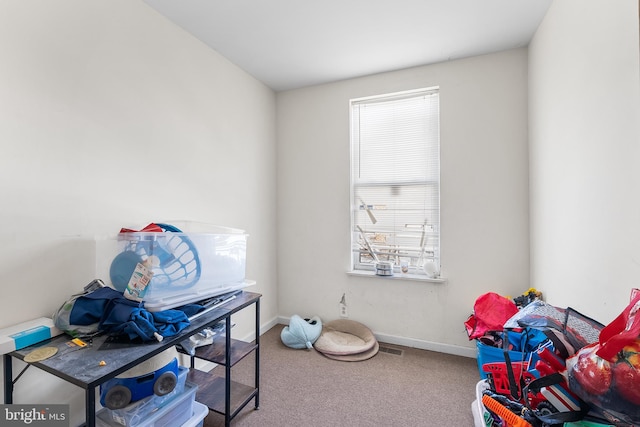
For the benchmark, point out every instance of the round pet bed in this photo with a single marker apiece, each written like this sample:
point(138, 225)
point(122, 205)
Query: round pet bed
point(346, 340)
point(355, 357)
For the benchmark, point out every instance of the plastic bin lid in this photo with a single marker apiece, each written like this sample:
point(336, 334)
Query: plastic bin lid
point(202, 227)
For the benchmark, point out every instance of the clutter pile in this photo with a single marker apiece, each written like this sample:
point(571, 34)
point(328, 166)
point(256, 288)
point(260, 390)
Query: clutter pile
point(546, 366)
point(147, 300)
point(147, 297)
point(102, 309)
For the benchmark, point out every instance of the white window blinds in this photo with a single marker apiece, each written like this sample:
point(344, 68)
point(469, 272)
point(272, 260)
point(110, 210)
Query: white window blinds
point(395, 182)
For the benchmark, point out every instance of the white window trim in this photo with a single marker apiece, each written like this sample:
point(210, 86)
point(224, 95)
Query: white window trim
point(415, 274)
point(399, 276)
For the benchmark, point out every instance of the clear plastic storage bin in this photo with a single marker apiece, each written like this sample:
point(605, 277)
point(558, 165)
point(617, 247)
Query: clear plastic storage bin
point(135, 413)
point(175, 412)
point(187, 266)
point(200, 412)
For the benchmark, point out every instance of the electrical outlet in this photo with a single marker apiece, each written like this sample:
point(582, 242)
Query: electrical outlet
point(343, 306)
point(343, 311)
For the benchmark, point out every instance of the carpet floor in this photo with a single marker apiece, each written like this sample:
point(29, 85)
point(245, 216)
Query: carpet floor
point(400, 386)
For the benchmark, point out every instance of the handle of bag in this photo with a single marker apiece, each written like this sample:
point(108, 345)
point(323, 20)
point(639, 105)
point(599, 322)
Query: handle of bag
point(623, 330)
point(558, 417)
point(513, 385)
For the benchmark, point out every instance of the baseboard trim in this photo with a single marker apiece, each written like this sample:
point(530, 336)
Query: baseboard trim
point(263, 328)
point(426, 345)
point(270, 324)
point(456, 350)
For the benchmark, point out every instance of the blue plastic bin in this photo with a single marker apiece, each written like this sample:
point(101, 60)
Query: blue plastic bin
point(490, 354)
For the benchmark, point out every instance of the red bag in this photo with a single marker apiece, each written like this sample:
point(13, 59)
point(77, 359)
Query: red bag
point(490, 312)
point(624, 329)
point(607, 374)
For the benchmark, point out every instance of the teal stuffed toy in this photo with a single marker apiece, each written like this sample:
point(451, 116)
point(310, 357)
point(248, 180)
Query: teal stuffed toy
point(301, 333)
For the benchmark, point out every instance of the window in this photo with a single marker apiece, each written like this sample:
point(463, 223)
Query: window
point(395, 181)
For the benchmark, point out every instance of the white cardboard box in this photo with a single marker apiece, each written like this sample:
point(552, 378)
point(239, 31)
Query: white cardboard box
point(27, 333)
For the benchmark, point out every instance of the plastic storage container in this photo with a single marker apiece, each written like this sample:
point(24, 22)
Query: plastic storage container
point(489, 354)
point(175, 412)
point(134, 414)
point(187, 266)
point(200, 412)
point(480, 414)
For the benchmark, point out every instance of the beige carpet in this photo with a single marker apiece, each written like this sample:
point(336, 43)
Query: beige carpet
point(305, 388)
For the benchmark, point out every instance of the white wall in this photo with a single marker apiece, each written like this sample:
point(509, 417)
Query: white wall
point(484, 201)
point(584, 103)
point(112, 116)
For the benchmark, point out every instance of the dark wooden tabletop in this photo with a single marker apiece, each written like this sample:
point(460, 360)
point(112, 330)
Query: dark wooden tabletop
point(105, 358)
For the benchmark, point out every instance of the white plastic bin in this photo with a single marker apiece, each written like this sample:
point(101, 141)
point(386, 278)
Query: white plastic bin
point(477, 408)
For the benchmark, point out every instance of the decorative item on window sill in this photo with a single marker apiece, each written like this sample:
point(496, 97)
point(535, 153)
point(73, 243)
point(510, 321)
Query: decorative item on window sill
point(384, 268)
point(431, 269)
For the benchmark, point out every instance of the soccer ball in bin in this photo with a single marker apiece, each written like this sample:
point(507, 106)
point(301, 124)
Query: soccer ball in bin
point(120, 392)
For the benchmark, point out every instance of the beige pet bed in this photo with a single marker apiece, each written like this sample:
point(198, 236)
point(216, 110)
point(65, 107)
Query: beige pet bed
point(346, 340)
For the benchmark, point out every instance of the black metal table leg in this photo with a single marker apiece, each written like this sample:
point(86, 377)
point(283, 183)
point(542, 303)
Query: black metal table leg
point(257, 354)
point(90, 402)
point(227, 380)
point(8, 380)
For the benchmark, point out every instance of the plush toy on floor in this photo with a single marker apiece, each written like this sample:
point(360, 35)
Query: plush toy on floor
point(301, 333)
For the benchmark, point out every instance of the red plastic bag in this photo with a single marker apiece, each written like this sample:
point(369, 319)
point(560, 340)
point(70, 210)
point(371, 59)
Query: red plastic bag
point(490, 312)
point(623, 330)
point(607, 374)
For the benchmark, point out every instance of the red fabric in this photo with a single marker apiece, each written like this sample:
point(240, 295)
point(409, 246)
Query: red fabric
point(151, 228)
point(490, 312)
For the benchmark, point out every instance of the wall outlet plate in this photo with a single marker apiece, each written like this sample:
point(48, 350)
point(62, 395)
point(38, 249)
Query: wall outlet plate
point(343, 311)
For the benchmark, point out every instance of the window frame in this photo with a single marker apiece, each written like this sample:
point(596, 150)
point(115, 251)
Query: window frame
point(415, 271)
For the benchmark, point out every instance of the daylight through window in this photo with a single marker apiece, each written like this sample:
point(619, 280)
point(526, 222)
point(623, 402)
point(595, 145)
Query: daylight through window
point(395, 180)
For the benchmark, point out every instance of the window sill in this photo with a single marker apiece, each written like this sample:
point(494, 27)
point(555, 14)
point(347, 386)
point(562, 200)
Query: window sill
point(401, 276)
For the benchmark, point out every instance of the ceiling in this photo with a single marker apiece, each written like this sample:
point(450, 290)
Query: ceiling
point(288, 44)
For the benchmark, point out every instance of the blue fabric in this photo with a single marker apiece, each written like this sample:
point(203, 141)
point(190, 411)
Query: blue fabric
point(139, 324)
point(136, 322)
point(170, 322)
point(191, 309)
point(89, 308)
point(527, 341)
point(119, 316)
